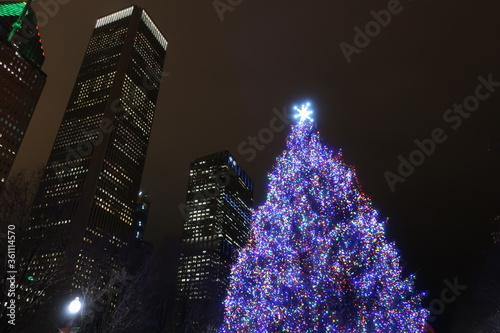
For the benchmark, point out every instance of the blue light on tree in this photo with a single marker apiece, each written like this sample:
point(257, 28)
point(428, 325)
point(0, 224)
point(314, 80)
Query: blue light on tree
point(318, 259)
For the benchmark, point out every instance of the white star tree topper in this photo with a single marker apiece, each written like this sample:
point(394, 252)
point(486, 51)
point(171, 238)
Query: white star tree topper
point(304, 113)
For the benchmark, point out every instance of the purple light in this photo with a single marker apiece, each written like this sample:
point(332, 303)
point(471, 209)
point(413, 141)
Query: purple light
point(318, 259)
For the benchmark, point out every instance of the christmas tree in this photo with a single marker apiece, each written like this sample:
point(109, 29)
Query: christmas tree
point(318, 259)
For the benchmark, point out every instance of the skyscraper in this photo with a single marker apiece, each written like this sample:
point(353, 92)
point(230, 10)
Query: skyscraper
point(21, 77)
point(88, 194)
point(217, 222)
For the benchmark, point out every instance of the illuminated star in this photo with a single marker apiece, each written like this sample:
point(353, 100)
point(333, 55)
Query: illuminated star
point(304, 113)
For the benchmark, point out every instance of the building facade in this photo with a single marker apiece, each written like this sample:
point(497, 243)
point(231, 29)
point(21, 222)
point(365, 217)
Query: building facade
point(217, 223)
point(141, 216)
point(84, 210)
point(21, 77)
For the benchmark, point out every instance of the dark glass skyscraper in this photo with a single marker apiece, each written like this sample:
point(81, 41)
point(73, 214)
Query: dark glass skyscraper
point(21, 77)
point(217, 222)
point(87, 198)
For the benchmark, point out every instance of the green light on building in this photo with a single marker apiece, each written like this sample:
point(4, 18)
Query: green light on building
point(12, 9)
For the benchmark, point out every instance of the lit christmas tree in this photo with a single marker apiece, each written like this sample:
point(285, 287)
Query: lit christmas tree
point(318, 259)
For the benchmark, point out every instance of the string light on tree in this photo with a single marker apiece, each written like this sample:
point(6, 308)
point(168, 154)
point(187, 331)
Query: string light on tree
point(318, 259)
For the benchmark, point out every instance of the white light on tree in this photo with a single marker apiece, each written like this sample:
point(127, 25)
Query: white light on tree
point(304, 113)
point(75, 305)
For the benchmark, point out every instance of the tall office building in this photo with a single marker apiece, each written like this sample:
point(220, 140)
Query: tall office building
point(88, 194)
point(21, 77)
point(217, 222)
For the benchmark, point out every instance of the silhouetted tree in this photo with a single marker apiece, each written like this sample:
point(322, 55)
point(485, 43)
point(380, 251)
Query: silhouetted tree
point(478, 311)
point(16, 198)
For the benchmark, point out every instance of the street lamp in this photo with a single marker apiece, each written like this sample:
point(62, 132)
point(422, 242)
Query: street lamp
point(75, 306)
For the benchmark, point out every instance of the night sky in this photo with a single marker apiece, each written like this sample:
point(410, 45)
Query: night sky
point(226, 77)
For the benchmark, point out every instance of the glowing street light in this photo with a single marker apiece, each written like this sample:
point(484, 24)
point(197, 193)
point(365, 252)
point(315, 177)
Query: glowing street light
point(73, 308)
point(75, 305)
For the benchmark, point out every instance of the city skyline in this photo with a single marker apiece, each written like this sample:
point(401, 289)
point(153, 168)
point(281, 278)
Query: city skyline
point(396, 90)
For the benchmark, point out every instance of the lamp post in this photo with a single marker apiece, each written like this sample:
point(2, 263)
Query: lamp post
point(74, 308)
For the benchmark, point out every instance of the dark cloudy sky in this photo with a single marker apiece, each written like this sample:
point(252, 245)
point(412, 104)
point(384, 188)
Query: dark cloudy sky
point(226, 77)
